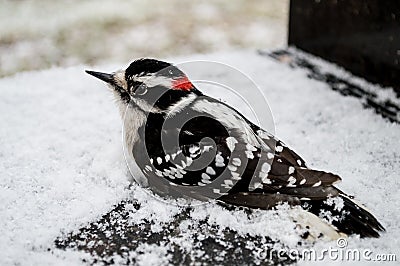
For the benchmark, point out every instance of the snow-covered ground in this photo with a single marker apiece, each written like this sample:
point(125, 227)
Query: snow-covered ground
point(62, 164)
point(43, 33)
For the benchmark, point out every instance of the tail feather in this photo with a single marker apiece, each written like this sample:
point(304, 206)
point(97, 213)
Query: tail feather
point(346, 215)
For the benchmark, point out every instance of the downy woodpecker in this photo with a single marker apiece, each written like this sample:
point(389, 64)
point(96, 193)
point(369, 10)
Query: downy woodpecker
point(170, 124)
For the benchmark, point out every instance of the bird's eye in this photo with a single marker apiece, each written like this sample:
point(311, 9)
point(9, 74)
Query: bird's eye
point(141, 90)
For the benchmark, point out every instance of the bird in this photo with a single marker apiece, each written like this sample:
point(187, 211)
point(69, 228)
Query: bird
point(170, 125)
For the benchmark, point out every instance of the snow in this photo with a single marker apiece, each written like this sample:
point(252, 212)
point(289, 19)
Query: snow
point(36, 35)
point(62, 163)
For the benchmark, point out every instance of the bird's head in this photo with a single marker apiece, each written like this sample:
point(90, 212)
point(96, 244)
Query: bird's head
point(149, 84)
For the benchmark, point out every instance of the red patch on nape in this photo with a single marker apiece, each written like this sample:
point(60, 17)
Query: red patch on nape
point(182, 84)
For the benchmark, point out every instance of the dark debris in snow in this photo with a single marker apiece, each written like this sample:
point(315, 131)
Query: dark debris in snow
point(115, 237)
point(386, 108)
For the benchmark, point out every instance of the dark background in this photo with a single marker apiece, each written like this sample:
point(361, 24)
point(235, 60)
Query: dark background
point(361, 36)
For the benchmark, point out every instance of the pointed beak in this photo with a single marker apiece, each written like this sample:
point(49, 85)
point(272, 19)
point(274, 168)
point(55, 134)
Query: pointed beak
point(109, 78)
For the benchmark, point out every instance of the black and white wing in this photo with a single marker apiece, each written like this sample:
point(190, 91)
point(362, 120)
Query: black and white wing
point(291, 181)
point(228, 158)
